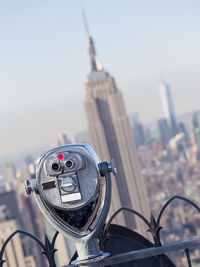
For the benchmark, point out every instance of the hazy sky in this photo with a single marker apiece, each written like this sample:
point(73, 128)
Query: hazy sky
point(44, 60)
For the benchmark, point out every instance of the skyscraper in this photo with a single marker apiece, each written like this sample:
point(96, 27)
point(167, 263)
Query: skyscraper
point(138, 130)
point(14, 255)
point(111, 136)
point(164, 130)
point(63, 140)
point(168, 107)
point(82, 137)
point(10, 220)
point(196, 119)
point(196, 126)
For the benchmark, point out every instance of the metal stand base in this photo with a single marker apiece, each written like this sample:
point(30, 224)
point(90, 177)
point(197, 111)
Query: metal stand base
point(91, 260)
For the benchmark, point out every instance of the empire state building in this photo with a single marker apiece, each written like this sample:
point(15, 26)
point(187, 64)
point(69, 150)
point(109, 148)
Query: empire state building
point(111, 136)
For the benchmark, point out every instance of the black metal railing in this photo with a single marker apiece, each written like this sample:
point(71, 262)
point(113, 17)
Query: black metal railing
point(153, 226)
point(151, 252)
point(48, 248)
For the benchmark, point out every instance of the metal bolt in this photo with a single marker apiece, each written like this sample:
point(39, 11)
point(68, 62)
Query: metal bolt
point(28, 188)
point(112, 167)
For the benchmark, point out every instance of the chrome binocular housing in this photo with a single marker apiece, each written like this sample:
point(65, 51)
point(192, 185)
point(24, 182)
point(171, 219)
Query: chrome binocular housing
point(72, 188)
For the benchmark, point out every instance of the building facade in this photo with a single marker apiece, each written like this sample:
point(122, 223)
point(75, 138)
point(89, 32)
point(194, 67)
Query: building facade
point(196, 127)
point(111, 136)
point(138, 130)
point(168, 107)
point(164, 130)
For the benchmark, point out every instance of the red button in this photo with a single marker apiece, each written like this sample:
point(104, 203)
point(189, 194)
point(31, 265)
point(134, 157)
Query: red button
point(61, 156)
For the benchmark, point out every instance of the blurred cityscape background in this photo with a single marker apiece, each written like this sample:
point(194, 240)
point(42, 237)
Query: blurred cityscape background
point(137, 103)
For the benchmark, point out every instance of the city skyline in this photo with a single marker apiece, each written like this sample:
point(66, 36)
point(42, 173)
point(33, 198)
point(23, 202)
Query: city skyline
point(33, 80)
point(49, 99)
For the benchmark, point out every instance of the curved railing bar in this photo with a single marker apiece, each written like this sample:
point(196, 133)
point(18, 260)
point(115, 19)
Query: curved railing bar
point(50, 250)
point(129, 210)
point(54, 239)
point(170, 200)
point(44, 247)
point(20, 232)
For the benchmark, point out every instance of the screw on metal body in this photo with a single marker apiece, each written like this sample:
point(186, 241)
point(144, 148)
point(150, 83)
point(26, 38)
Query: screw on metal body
point(112, 167)
point(28, 188)
point(105, 167)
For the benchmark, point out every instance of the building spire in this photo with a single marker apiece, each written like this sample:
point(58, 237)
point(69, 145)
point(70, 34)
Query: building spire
point(85, 23)
point(94, 62)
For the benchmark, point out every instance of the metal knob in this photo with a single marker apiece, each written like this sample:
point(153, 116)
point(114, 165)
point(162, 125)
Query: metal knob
point(112, 167)
point(28, 188)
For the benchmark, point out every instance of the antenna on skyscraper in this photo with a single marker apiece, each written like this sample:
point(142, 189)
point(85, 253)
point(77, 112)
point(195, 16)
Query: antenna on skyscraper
point(85, 23)
point(84, 20)
point(95, 65)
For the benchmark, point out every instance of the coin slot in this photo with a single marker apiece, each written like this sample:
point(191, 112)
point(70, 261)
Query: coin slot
point(49, 185)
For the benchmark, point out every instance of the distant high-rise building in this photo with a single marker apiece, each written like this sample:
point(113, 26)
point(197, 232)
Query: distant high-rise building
point(30, 261)
point(183, 129)
point(168, 107)
point(10, 220)
point(196, 126)
point(13, 255)
point(19, 211)
point(157, 147)
point(63, 140)
point(164, 130)
point(148, 136)
point(134, 118)
point(196, 119)
point(179, 174)
point(82, 137)
point(11, 180)
point(138, 130)
point(111, 136)
point(9, 200)
point(197, 136)
point(33, 222)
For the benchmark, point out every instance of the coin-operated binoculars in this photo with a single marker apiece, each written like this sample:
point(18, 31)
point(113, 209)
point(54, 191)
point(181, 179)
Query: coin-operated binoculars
point(73, 190)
